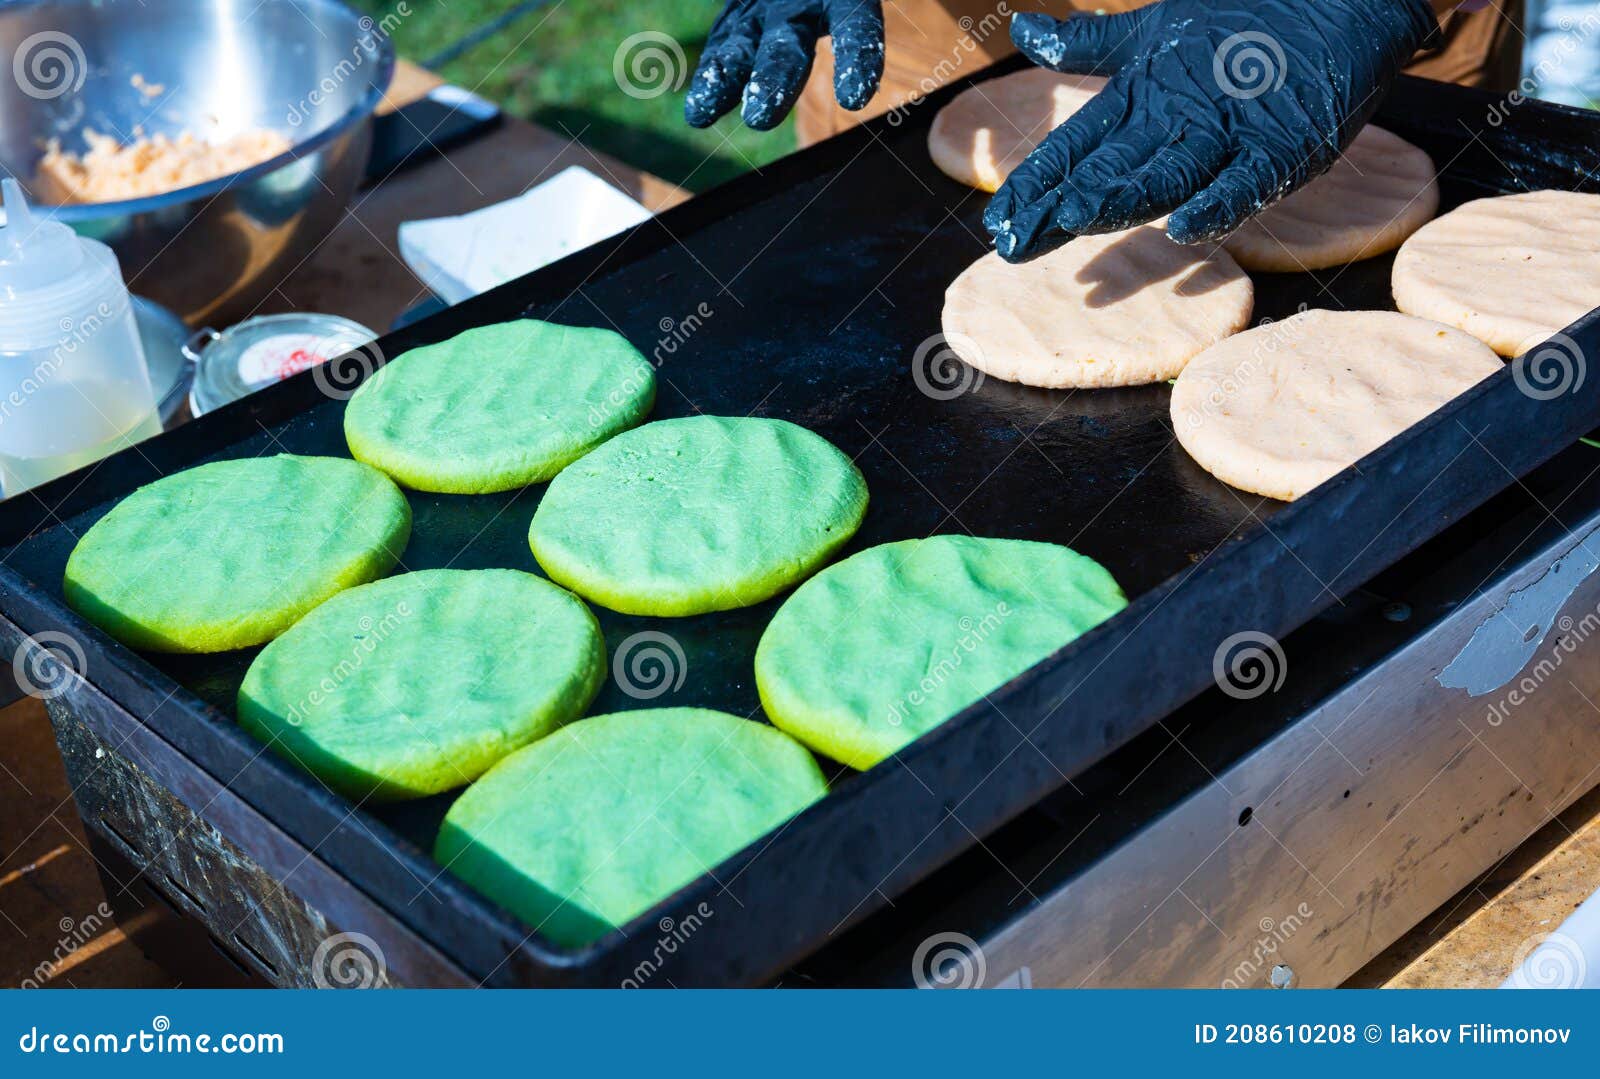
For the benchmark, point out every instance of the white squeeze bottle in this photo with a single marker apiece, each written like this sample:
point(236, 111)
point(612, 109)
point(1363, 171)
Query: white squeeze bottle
point(73, 382)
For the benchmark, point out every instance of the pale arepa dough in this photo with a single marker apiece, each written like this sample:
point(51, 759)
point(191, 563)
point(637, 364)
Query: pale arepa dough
point(988, 129)
point(1284, 407)
point(1118, 309)
point(1380, 190)
point(1511, 270)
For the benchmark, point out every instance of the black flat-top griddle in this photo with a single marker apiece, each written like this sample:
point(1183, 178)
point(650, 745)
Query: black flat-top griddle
point(810, 292)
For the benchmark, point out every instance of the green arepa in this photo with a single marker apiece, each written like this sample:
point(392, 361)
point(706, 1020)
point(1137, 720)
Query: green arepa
point(418, 683)
point(231, 554)
point(706, 513)
point(498, 407)
point(875, 651)
point(586, 829)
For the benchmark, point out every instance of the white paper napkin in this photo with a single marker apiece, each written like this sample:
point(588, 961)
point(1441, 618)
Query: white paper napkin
point(459, 257)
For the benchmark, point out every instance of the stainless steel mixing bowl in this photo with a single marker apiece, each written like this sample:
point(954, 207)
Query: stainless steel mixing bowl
point(311, 69)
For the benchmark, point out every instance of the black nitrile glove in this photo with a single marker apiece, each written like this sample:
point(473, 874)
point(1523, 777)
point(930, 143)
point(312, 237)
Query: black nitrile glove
point(1215, 110)
point(763, 50)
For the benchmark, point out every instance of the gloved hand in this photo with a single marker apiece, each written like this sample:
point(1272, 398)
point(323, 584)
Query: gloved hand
point(764, 48)
point(1215, 109)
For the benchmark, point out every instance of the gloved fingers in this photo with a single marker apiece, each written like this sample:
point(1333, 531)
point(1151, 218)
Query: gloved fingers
point(1021, 215)
point(857, 29)
point(1159, 186)
point(725, 64)
point(1248, 185)
point(1082, 44)
point(1119, 156)
point(783, 61)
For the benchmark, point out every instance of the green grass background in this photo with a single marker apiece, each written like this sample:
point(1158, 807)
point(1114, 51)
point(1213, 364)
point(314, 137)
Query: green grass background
point(554, 66)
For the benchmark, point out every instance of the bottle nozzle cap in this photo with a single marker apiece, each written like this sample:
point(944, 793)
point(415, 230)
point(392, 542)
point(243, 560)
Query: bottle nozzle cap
point(18, 217)
point(35, 250)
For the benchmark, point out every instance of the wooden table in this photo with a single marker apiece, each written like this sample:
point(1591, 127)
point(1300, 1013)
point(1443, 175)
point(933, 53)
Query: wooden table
point(52, 927)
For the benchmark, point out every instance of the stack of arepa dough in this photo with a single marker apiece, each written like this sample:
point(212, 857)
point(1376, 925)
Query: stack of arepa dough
point(1280, 408)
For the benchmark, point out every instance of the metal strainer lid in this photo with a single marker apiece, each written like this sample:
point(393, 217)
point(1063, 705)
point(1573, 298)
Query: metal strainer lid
point(261, 351)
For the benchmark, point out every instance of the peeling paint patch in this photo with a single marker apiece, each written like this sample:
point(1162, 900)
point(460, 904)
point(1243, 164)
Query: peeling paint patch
point(1509, 637)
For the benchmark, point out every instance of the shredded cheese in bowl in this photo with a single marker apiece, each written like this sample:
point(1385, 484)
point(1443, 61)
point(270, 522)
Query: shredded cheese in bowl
point(149, 165)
